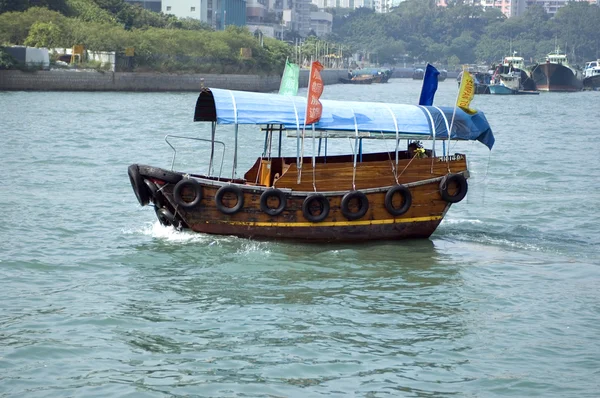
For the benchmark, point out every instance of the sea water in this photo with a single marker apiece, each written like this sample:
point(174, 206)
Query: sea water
point(98, 299)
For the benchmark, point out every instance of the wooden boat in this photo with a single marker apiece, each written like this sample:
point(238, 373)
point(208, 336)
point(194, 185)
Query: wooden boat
point(357, 196)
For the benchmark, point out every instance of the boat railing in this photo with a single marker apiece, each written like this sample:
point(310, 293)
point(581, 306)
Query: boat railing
point(210, 166)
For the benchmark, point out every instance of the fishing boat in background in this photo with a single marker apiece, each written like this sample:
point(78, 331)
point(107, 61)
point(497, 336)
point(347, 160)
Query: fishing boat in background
point(418, 74)
point(516, 65)
point(482, 81)
point(364, 194)
point(508, 84)
point(443, 75)
point(505, 83)
point(378, 75)
point(363, 79)
point(555, 74)
point(591, 75)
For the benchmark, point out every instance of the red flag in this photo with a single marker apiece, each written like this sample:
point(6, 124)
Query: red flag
point(315, 89)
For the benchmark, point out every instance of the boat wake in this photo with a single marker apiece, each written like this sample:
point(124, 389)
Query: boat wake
point(520, 237)
point(171, 235)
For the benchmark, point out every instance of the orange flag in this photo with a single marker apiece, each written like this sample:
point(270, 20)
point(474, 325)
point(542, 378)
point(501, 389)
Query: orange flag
point(315, 89)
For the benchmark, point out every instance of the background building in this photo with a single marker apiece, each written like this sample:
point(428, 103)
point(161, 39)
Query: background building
point(343, 3)
point(152, 5)
point(256, 11)
point(515, 8)
point(186, 9)
point(321, 22)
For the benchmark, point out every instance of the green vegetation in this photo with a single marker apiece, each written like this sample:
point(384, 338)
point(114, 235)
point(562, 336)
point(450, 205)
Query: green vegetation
point(6, 60)
point(161, 42)
point(416, 31)
point(419, 31)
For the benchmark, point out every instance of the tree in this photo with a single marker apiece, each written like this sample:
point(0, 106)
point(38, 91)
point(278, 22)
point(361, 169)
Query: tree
point(44, 34)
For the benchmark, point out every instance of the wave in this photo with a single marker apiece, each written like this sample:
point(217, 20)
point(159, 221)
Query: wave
point(516, 236)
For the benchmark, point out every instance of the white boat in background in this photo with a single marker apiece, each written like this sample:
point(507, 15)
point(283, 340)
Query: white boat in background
point(509, 84)
point(591, 75)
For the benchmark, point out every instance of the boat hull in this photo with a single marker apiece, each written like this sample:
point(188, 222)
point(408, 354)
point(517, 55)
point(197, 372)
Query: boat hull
point(527, 83)
point(356, 80)
point(592, 83)
point(500, 89)
point(554, 77)
point(424, 179)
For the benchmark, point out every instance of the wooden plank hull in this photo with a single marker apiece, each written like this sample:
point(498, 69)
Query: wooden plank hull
point(334, 180)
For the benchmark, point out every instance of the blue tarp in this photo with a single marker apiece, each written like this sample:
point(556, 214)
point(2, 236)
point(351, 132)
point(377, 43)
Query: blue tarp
point(350, 117)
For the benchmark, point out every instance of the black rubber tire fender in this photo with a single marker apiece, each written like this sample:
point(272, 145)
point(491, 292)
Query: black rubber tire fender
point(323, 203)
point(363, 208)
point(164, 215)
point(229, 189)
point(462, 184)
point(389, 200)
point(273, 192)
point(156, 195)
point(137, 183)
point(191, 184)
point(172, 177)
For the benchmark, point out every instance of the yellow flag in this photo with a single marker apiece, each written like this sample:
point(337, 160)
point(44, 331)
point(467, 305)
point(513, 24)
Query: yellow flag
point(466, 93)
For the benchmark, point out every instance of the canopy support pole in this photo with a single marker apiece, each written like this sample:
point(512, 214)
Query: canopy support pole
point(314, 162)
point(447, 128)
point(355, 150)
point(280, 135)
point(433, 130)
point(212, 146)
point(395, 167)
point(235, 151)
point(236, 129)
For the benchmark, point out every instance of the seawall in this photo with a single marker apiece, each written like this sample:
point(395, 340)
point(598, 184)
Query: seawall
point(71, 80)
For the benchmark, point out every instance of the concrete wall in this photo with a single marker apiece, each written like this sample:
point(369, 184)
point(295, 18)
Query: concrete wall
point(71, 80)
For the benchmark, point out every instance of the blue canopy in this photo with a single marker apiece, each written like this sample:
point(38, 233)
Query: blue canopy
point(343, 118)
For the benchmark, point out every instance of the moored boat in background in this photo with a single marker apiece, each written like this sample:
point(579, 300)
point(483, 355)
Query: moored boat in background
point(379, 75)
point(515, 64)
point(443, 75)
point(363, 79)
point(357, 196)
point(418, 74)
point(505, 84)
point(555, 74)
point(591, 75)
point(482, 81)
point(509, 84)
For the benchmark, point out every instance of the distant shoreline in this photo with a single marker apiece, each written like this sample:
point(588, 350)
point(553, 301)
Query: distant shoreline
point(71, 80)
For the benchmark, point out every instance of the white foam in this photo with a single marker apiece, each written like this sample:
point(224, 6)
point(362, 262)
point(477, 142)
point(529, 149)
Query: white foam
point(461, 221)
point(170, 234)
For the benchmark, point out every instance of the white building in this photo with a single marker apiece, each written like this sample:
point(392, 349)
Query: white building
point(515, 8)
point(552, 6)
point(196, 9)
point(343, 3)
point(384, 6)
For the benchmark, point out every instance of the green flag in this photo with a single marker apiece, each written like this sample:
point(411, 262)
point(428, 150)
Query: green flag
point(289, 80)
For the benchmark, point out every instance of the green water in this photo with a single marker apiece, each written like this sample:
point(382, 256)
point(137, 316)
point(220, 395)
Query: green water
point(100, 300)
